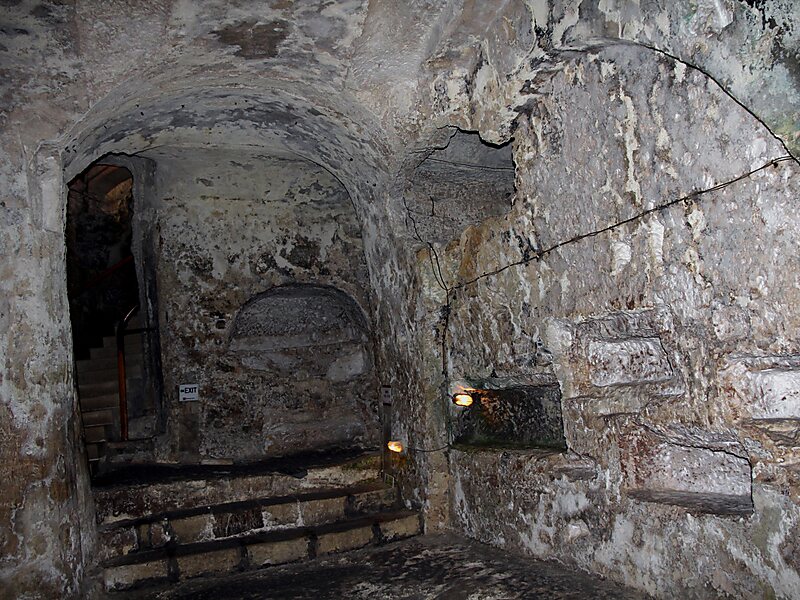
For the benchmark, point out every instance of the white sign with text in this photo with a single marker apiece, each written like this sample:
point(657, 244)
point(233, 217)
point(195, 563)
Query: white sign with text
point(189, 392)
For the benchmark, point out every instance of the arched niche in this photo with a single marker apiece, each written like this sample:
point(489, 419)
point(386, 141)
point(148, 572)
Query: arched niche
point(306, 330)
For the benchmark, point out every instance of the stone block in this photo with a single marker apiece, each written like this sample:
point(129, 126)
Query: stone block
point(116, 542)
point(280, 515)
point(776, 394)
point(339, 541)
point(325, 510)
point(125, 576)
point(208, 563)
point(153, 535)
point(276, 553)
point(398, 529)
point(197, 528)
point(611, 356)
point(359, 471)
point(159, 534)
point(625, 362)
point(227, 524)
point(666, 466)
point(372, 501)
point(763, 395)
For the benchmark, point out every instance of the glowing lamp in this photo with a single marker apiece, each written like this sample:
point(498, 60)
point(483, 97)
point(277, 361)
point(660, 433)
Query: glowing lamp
point(395, 446)
point(462, 400)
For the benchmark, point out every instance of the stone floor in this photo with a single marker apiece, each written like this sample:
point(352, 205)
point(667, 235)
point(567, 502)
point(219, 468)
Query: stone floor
point(422, 568)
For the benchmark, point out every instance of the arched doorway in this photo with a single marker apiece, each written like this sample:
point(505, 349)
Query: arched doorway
point(111, 338)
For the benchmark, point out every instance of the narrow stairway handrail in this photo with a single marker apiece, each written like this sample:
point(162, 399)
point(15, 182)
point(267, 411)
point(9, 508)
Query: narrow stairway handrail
point(121, 374)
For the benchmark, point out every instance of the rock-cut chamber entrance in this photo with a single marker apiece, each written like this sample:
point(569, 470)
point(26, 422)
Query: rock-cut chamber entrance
point(114, 346)
point(269, 448)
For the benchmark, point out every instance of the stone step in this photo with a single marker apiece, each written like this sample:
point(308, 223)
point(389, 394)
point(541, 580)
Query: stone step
point(105, 367)
point(133, 342)
point(90, 390)
point(96, 434)
point(113, 453)
point(235, 519)
point(99, 402)
point(134, 371)
point(94, 451)
point(133, 451)
point(180, 562)
point(142, 427)
point(103, 416)
point(141, 490)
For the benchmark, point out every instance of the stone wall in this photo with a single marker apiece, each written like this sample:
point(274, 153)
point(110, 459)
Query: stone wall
point(263, 298)
point(673, 337)
point(46, 526)
point(358, 86)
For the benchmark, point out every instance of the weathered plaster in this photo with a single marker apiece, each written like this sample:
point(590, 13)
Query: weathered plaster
point(232, 227)
point(664, 502)
point(359, 88)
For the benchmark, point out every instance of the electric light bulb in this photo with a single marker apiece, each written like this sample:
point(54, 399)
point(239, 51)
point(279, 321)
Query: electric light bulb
point(395, 446)
point(462, 400)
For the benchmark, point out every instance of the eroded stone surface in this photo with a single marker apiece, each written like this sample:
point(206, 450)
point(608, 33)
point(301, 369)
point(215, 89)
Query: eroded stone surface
point(359, 88)
point(624, 362)
point(716, 482)
point(628, 316)
point(425, 568)
point(262, 295)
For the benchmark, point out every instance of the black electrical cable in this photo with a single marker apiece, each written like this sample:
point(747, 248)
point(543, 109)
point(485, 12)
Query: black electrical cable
point(433, 256)
point(724, 90)
point(447, 447)
point(536, 255)
point(693, 197)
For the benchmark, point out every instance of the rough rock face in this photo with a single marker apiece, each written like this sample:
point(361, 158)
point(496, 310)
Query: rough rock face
point(672, 338)
point(672, 335)
point(262, 298)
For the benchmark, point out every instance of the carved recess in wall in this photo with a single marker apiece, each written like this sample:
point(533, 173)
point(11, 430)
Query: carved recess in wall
point(765, 392)
point(701, 471)
point(621, 364)
point(762, 397)
point(460, 184)
point(617, 363)
point(306, 331)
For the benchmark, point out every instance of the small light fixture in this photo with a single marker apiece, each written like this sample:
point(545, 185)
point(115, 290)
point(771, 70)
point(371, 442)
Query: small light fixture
point(395, 446)
point(462, 399)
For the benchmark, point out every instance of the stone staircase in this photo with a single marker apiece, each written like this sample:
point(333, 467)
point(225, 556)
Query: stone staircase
point(160, 524)
point(98, 394)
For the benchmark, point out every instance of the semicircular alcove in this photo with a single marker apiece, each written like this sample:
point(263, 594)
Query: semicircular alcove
point(305, 331)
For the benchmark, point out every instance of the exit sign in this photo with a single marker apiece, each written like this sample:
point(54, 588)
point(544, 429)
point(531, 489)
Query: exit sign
point(189, 392)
